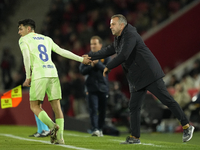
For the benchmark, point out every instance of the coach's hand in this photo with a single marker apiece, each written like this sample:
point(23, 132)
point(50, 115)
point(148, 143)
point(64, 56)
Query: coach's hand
point(27, 83)
point(105, 71)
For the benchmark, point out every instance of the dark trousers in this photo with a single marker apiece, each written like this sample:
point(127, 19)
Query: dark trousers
point(158, 89)
point(97, 108)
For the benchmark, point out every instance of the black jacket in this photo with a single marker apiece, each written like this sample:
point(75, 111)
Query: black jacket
point(95, 80)
point(139, 64)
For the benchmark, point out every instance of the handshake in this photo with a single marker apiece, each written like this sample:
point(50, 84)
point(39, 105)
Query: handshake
point(87, 61)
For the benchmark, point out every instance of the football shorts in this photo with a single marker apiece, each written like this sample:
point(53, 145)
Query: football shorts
point(50, 86)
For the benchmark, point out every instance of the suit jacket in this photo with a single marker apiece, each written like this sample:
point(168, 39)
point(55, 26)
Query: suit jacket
point(139, 64)
point(95, 80)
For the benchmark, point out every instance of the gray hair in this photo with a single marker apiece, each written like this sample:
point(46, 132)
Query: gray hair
point(122, 19)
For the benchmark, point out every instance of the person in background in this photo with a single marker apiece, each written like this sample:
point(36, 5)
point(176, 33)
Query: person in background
point(77, 91)
point(97, 88)
point(7, 63)
point(181, 95)
point(118, 105)
point(173, 81)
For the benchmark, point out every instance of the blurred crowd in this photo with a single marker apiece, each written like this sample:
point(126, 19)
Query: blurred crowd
point(186, 91)
point(7, 8)
point(71, 24)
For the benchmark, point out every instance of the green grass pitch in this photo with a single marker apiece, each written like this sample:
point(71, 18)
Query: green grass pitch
point(16, 138)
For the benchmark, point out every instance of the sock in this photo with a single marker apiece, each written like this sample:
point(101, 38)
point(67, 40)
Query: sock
point(45, 119)
point(43, 126)
point(134, 137)
point(39, 128)
point(186, 126)
point(60, 122)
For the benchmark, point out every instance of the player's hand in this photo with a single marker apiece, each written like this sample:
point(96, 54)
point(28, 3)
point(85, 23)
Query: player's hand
point(105, 71)
point(27, 83)
point(86, 60)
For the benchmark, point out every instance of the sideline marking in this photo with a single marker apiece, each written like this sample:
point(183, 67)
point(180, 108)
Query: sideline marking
point(69, 134)
point(46, 142)
point(149, 144)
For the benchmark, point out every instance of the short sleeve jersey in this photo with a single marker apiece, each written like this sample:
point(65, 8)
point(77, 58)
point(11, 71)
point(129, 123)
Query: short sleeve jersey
point(40, 48)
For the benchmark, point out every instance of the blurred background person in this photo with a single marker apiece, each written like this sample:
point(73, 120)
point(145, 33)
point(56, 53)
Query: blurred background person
point(7, 63)
point(97, 88)
point(181, 96)
point(77, 92)
point(117, 105)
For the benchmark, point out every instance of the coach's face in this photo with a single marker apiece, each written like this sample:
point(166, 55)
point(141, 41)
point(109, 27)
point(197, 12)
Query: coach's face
point(23, 30)
point(116, 27)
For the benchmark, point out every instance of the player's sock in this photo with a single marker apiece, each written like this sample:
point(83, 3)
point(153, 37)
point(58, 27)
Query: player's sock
point(45, 119)
point(60, 122)
point(39, 127)
point(43, 126)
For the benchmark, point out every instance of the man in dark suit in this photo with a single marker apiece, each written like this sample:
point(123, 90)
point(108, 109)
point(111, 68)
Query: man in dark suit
point(97, 88)
point(143, 73)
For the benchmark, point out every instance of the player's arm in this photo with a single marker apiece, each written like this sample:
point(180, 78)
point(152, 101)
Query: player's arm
point(27, 64)
point(70, 55)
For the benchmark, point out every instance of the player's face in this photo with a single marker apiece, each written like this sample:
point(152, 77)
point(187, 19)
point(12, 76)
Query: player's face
point(116, 27)
point(23, 30)
point(95, 45)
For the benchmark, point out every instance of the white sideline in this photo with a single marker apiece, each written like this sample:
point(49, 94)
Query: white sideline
point(149, 144)
point(46, 142)
point(69, 134)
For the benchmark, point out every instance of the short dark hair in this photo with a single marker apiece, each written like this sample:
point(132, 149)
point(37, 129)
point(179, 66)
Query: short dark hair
point(97, 37)
point(27, 22)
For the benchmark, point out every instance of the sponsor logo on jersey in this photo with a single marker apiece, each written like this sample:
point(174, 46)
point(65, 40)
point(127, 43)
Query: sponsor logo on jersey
point(48, 66)
point(38, 38)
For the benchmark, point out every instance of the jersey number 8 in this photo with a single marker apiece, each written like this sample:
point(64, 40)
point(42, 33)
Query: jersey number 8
point(43, 55)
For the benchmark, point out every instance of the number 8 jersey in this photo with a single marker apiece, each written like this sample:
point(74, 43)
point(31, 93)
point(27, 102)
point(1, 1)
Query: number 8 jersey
point(40, 48)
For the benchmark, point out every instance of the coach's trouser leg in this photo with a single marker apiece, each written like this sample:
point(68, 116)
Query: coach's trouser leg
point(135, 107)
point(159, 89)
